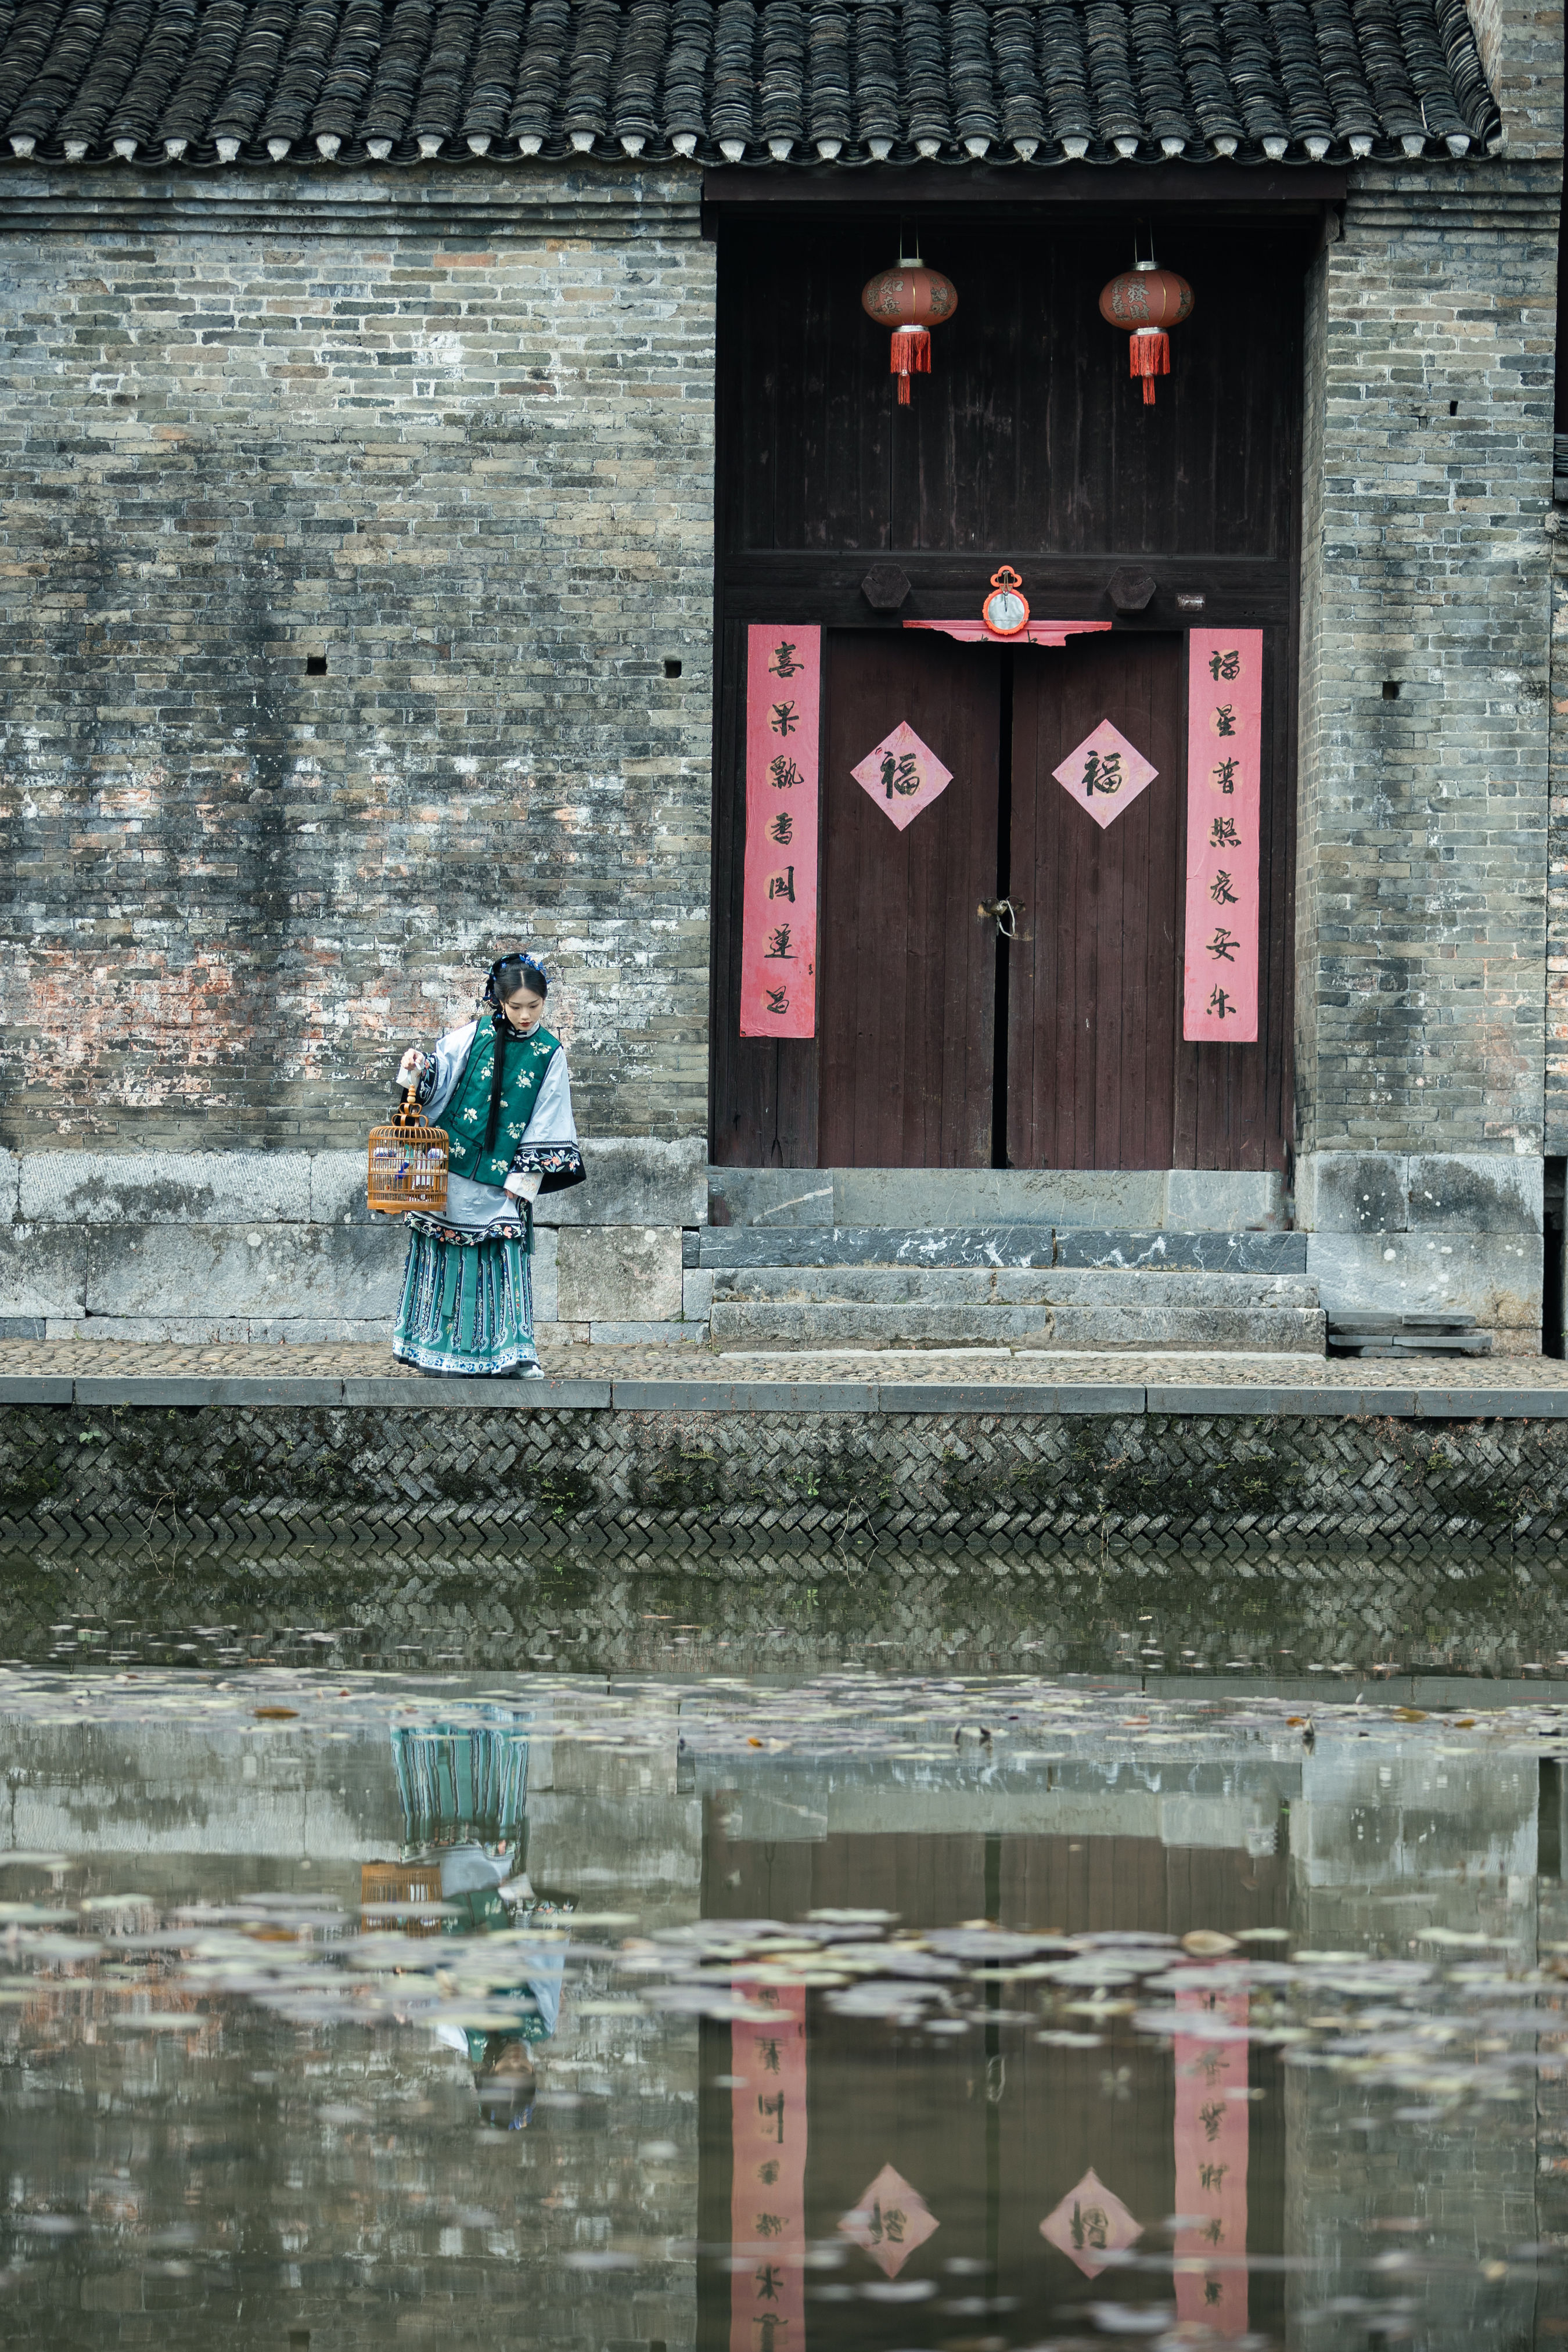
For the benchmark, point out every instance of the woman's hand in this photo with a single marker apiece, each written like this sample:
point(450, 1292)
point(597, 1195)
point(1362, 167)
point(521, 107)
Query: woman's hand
point(522, 1188)
point(411, 1068)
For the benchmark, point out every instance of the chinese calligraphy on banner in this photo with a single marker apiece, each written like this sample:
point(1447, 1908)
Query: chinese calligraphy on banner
point(778, 911)
point(767, 2208)
point(1211, 2163)
point(1224, 746)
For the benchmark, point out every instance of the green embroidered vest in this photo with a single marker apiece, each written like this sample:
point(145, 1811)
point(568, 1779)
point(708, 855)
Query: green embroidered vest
point(467, 1115)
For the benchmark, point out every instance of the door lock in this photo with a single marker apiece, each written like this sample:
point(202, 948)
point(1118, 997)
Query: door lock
point(1003, 913)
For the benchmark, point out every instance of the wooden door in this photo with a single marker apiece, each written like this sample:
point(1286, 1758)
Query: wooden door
point(1094, 983)
point(907, 969)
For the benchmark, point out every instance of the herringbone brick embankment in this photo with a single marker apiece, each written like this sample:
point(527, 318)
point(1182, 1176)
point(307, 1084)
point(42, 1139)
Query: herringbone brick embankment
point(665, 1541)
point(710, 1488)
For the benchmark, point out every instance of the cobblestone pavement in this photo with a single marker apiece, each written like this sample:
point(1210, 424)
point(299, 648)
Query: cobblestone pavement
point(1004, 1366)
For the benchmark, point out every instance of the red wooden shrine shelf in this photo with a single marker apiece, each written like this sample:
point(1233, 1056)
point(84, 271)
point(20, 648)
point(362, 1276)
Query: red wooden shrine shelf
point(1035, 632)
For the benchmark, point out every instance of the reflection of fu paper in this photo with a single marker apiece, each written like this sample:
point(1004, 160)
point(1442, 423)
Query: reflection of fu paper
point(778, 918)
point(767, 2211)
point(1225, 806)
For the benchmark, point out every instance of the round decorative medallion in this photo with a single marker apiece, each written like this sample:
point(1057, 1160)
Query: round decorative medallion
point(1004, 613)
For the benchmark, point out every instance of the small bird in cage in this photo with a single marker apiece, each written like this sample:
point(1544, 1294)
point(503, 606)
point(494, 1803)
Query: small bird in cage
point(408, 1162)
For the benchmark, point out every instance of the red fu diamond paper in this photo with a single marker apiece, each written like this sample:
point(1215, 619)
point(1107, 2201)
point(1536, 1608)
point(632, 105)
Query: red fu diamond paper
point(902, 775)
point(1105, 774)
point(778, 907)
point(890, 2220)
point(1224, 802)
point(1089, 2225)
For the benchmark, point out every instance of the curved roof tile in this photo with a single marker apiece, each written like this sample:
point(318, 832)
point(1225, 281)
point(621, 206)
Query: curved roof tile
point(848, 83)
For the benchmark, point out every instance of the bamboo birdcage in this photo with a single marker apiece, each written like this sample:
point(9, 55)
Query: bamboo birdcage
point(407, 1163)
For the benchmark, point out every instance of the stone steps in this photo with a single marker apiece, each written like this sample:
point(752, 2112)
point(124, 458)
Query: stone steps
point(1294, 1330)
point(885, 1285)
point(900, 1287)
point(1017, 1244)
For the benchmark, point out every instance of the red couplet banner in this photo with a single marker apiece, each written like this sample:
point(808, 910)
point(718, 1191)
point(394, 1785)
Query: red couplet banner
point(767, 2210)
point(778, 916)
point(1224, 751)
point(1212, 2132)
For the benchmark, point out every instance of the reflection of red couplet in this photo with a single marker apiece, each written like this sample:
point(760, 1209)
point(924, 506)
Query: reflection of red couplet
point(1211, 2165)
point(1225, 806)
point(778, 909)
point(767, 2200)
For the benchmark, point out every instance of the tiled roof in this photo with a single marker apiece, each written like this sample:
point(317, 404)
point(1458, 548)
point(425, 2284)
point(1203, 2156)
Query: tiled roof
point(844, 82)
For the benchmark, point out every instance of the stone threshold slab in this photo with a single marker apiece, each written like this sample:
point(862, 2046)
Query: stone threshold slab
point(389, 1391)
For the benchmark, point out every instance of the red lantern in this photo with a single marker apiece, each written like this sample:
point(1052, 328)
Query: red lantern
point(911, 299)
point(1147, 301)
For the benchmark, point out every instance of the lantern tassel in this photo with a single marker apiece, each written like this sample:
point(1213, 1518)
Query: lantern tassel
point(911, 355)
point(1149, 355)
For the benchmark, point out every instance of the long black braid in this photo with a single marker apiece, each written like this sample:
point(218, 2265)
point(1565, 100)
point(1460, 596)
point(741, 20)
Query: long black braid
point(503, 1030)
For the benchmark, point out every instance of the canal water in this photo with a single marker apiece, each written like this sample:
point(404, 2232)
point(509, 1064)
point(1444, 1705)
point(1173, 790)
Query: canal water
point(861, 2010)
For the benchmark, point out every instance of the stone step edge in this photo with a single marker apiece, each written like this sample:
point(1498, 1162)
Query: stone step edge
point(1127, 1289)
point(1212, 1330)
point(1447, 1401)
point(731, 1248)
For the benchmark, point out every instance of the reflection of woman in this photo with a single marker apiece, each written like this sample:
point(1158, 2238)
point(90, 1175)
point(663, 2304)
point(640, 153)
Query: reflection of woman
point(463, 1792)
point(464, 1811)
point(502, 2056)
point(504, 1093)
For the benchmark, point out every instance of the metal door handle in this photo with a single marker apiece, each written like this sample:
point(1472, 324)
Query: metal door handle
point(1003, 913)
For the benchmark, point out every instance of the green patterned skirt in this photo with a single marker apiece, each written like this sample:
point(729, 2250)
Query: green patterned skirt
point(468, 1300)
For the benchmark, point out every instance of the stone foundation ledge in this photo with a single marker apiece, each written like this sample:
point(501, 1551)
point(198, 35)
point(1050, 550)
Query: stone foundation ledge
point(1428, 1233)
point(202, 1249)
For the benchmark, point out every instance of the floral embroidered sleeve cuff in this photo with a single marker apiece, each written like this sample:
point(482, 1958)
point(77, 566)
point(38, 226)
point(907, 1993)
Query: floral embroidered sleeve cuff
point(560, 1164)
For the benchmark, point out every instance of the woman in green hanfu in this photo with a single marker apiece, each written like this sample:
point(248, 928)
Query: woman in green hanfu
point(503, 1094)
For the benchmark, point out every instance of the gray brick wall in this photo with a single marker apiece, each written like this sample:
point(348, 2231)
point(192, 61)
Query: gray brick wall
point(453, 435)
point(1423, 818)
point(1522, 48)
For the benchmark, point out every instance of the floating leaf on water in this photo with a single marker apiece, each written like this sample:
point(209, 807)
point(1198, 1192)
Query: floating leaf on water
point(853, 1918)
point(1208, 1944)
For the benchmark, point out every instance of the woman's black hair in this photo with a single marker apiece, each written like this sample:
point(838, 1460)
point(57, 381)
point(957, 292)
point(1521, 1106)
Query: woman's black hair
point(508, 978)
point(524, 971)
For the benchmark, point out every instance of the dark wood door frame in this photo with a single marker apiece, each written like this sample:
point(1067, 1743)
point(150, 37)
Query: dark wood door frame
point(1246, 569)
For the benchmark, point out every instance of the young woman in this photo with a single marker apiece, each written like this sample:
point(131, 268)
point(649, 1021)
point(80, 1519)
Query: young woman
point(502, 1092)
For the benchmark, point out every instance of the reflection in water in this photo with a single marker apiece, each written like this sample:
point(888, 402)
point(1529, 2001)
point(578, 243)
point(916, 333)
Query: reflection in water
point(769, 2132)
point(464, 1792)
point(866, 2016)
point(990, 2167)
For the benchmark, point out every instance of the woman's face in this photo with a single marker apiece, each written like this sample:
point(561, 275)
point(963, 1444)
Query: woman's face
point(524, 1010)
